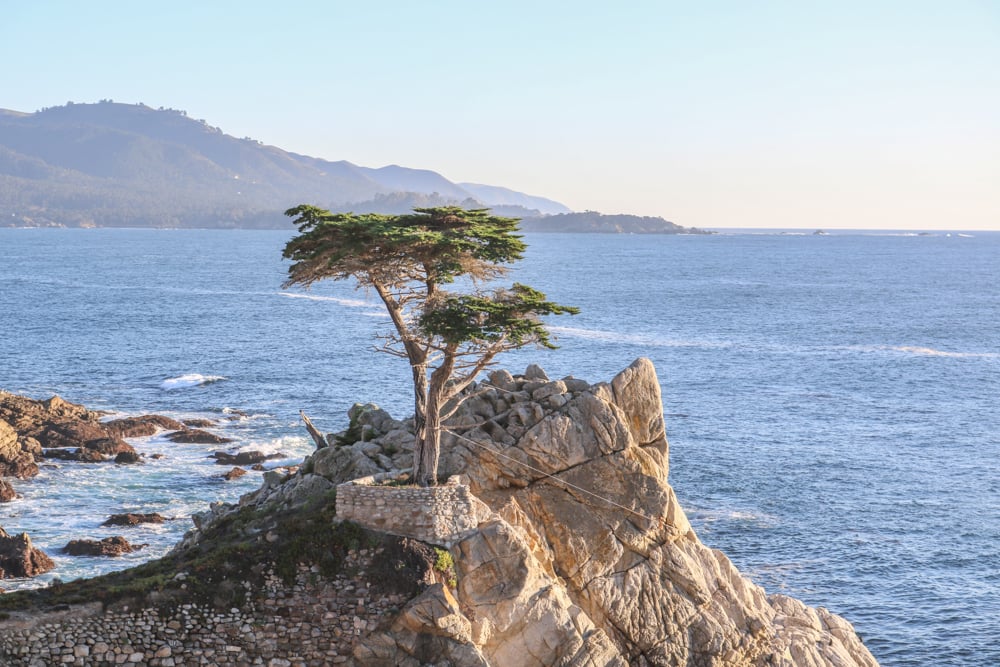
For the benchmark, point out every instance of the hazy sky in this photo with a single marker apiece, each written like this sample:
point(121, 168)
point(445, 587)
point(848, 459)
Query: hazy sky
point(845, 113)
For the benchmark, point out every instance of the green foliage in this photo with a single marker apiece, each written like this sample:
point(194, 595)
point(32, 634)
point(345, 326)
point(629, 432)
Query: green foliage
point(407, 259)
point(431, 245)
point(445, 565)
point(506, 314)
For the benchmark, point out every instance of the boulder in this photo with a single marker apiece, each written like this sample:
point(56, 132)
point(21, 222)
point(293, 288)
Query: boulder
point(18, 558)
point(235, 473)
point(131, 519)
point(244, 458)
point(194, 436)
point(145, 425)
point(14, 461)
point(127, 457)
point(7, 492)
point(109, 546)
point(9, 445)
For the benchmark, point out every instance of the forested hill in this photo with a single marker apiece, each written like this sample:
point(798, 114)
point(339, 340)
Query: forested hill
point(113, 165)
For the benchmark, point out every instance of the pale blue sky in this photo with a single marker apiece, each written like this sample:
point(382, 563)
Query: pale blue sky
point(769, 114)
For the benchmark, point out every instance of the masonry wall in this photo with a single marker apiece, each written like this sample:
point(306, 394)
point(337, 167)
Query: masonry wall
point(435, 514)
point(312, 623)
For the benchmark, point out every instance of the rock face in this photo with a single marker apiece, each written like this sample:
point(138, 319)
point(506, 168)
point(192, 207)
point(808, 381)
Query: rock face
point(18, 558)
point(54, 428)
point(588, 558)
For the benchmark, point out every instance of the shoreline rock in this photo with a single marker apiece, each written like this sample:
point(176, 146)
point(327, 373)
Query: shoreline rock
point(32, 430)
point(133, 519)
point(109, 546)
point(19, 558)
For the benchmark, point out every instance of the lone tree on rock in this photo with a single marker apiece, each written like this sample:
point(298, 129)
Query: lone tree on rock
point(447, 337)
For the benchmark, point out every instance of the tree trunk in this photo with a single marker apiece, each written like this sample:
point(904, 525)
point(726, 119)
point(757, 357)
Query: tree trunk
point(419, 420)
point(430, 454)
point(425, 463)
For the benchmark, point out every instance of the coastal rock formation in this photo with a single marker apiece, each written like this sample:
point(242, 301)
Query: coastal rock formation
point(133, 519)
point(589, 552)
point(574, 551)
point(54, 428)
point(109, 546)
point(7, 492)
point(14, 461)
point(243, 458)
point(18, 558)
point(137, 427)
point(194, 436)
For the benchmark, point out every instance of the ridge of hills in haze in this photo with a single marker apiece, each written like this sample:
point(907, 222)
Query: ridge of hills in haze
point(129, 165)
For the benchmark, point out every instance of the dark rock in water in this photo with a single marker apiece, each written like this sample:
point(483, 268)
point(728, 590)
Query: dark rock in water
point(109, 546)
point(128, 457)
point(195, 436)
point(66, 431)
point(7, 492)
point(244, 458)
point(22, 466)
point(199, 423)
point(109, 446)
point(235, 473)
point(133, 519)
point(18, 558)
point(137, 427)
point(70, 434)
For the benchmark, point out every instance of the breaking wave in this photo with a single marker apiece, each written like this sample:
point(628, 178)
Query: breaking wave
point(189, 380)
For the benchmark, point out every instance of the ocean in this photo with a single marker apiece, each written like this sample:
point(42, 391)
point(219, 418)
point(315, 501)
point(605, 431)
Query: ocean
point(830, 400)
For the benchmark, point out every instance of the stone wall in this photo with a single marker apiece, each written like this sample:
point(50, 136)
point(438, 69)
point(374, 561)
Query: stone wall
point(312, 623)
point(436, 514)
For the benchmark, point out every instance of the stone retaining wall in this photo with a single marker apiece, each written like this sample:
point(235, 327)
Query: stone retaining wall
point(312, 623)
point(434, 514)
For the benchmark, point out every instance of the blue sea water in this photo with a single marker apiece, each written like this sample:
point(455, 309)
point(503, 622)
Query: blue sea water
point(831, 400)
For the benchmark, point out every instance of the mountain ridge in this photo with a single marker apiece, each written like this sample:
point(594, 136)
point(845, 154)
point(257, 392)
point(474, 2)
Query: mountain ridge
point(109, 164)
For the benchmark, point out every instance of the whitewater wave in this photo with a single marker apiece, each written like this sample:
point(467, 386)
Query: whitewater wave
point(189, 380)
point(352, 303)
point(632, 339)
point(920, 351)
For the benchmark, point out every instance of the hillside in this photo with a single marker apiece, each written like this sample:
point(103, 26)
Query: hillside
point(113, 165)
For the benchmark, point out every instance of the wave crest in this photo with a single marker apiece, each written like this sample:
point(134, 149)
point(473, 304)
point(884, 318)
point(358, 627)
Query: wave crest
point(189, 380)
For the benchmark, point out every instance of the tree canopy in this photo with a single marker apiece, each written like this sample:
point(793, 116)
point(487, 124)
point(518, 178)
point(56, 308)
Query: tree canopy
point(448, 337)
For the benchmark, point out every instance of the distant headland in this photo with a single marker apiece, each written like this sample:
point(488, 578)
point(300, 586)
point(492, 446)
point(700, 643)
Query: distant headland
point(130, 165)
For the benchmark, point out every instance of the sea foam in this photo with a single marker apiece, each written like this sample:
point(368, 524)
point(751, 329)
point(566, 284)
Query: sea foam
point(189, 380)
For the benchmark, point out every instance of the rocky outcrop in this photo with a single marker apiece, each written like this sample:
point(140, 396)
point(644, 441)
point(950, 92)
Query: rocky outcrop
point(14, 460)
point(54, 428)
point(19, 558)
point(243, 458)
point(194, 436)
point(109, 546)
point(235, 473)
point(589, 557)
point(578, 553)
point(133, 519)
point(137, 427)
point(7, 492)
